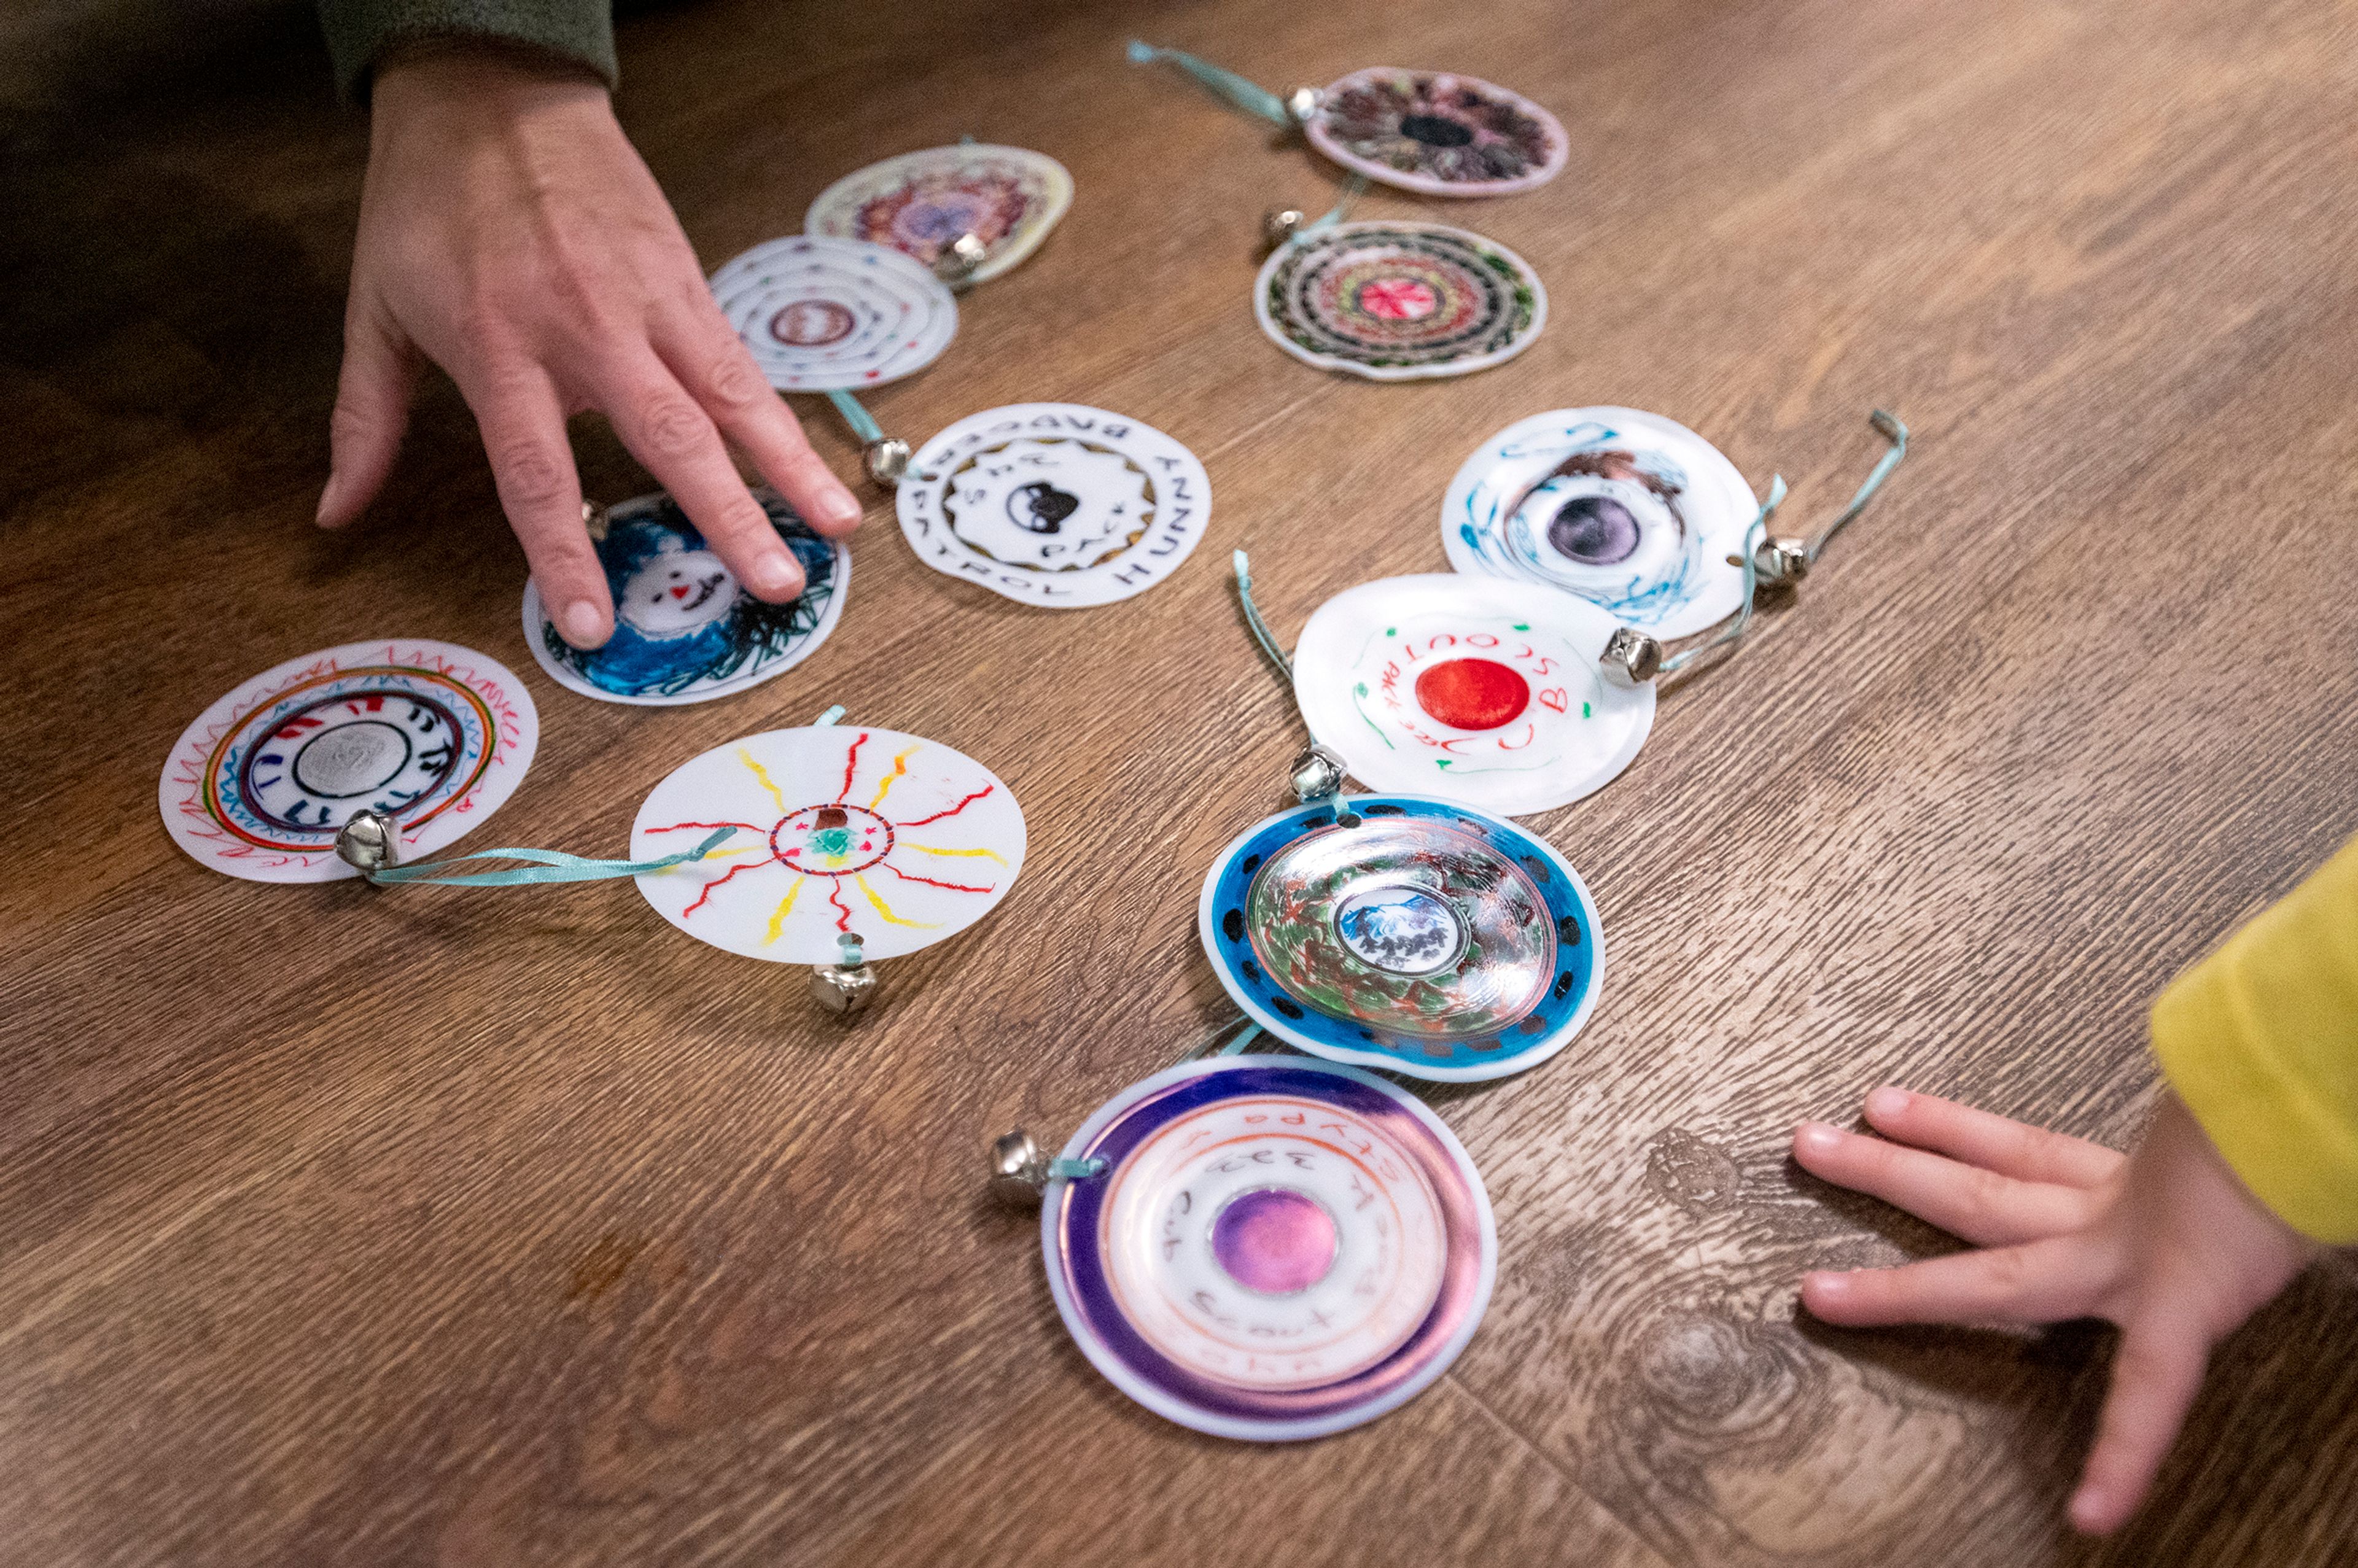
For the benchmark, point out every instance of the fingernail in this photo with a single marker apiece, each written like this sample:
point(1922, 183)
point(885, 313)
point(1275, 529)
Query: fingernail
point(837, 507)
point(1817, 1136)
point(1825, 1286)
point(585, 625)
point(2087, 1511)
point(326, 494)
point(777, 576)
point(1887, 1101)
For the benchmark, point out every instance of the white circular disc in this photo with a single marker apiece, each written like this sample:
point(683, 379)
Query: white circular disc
point(821, 314)
point(839, 829)
point(1009, 197)
point(1475, 689)
point(436, 735)
point(1399, 301)
point(1437, 133)
point(684, 629)
point(1627, 509)
point(1055, 503)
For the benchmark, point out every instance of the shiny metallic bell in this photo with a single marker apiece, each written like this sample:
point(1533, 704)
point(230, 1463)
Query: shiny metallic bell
point(1303, 103)
point(957, 262)
point(887, 461)
point(1019, 1167)
point(368, 841)
point(843, 989)
point(594, 520)
point(1317, 773)
point(1783, 561)
point(1630, 658)
point(1280, 224)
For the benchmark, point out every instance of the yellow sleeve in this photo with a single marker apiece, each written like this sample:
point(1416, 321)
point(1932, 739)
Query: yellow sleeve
point(2260, 1040)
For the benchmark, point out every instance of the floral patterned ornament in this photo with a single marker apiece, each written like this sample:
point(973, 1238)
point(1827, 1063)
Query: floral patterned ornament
point(1633, 512)
point(1405, 932)
point(1399, 301)
point(920, 203)
point(1438, 133)
point(684, 629)
point(434, 736)
point(1268, 1250)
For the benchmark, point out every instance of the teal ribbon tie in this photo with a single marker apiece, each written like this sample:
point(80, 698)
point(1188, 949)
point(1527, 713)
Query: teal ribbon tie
point(863, 423)
point(1742, 619)
point(1261, 634)
point(1077, 1169)
point(1249, 96)
point(547, 866)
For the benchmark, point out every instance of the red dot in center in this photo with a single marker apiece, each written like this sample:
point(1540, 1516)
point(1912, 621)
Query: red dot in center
point(1472, 694)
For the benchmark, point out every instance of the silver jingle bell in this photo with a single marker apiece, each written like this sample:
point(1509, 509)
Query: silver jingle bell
point(1303, 103)
point(957, 262)
point(1280, 224)
point(887, 460)
point(1781, 561)
point(843, 989)
point(594, 520)
point(1630, 658)
point(368, 842)
point(1019, 1167)
point(1317, 773)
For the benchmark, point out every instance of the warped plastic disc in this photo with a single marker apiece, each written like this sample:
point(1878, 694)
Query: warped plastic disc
point(1438, 133)
point(1399, 301)
point(1429, 940)
point(1477, 689)
point(821, 314)
point(1009, 197)
point(435, 735)
point(1278, 1249)
point(1628, 510)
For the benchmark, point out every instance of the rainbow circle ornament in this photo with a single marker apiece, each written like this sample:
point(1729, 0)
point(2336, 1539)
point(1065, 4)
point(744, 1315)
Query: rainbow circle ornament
point(1055, 503)
point(1628, 510)
point(435, 735)
point(684, 629)
point(1480, 690)
point(1425, 939)
point(1277, 1249)
point(921, 203)
point(1399, 301)
point(821, 314)
point(839, 831)
point(1437, 133)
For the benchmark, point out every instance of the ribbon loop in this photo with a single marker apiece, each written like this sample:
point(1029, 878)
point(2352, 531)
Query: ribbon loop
point(547, 866)
point(1249, 96)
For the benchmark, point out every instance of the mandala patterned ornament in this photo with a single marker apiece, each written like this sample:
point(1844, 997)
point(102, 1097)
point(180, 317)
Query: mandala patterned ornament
point(1479, 690)
point(1627, 509)
point(1055, 503)
point(840, 831)
point(1437, 133)
point(685, 631)
point(1396, 302)
point(433, 735)
point(1275, 1249)
point(1426, 938)
point(822, 314)
point(920, 202)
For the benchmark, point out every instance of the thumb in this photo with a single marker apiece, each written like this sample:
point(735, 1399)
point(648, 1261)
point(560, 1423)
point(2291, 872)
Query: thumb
point(371, 412)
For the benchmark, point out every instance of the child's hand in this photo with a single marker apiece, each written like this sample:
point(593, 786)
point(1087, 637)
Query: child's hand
point(2167, 1244)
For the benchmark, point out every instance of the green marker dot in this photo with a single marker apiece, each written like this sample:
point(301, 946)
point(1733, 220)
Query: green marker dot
point(1584, 709)
point(1522, 625)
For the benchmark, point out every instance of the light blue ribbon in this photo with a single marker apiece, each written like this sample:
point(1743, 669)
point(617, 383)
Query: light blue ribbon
point(1742, 618)
point(1353, 188)
point(548, 866)
point(863, 423)
point(1249, 96)
point(1893, 431)
point(1261, 634)
point(1077, 1169)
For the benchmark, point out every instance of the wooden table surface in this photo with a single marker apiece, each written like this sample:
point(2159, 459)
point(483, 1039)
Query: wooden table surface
point(341, 1226)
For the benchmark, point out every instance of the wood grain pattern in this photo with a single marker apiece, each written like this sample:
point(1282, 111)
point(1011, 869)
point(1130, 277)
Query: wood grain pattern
point(487, 1228)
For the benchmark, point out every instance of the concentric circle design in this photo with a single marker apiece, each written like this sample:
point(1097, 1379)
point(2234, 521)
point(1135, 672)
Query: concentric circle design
point(1428, 939)
point(1055, 503)
point(836, 831)
point(1437, 133)
point(685, 629)
point(1276, 1249)
point(1474, 689)
point(1398, 301)
point(1009, 197)
point(820, 314)
point(434, 735)
point(1628, 510)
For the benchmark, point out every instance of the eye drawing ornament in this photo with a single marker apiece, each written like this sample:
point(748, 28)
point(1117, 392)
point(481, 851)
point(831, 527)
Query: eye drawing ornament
point(868, 833)
point(1628, 510)
point(1055, 503)
point(684, 630)
point(821, 314)
point(920, 203)
point(1273, 1250)
point(433, 735)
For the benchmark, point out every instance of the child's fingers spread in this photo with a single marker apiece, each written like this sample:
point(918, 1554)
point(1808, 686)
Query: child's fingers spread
point(1994, 1142)
point(2155, 1375)
point(2044, 1281)
point(1985, 1208)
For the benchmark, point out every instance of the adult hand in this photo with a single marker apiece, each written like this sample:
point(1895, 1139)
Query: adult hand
point(2169, 1244)
point(510, 233)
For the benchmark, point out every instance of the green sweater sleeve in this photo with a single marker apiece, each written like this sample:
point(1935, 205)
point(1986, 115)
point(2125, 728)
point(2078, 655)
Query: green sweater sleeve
point(361, 30)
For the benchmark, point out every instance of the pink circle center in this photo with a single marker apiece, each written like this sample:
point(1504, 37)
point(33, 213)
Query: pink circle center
point(1398, 299)
point(1274, 1240)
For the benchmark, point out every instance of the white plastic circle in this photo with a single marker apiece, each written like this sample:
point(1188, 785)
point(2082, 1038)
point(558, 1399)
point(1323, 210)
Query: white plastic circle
point(820, 314)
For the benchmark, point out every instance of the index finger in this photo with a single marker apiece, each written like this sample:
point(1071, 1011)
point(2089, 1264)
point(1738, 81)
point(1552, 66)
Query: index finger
point(1994, 1142)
